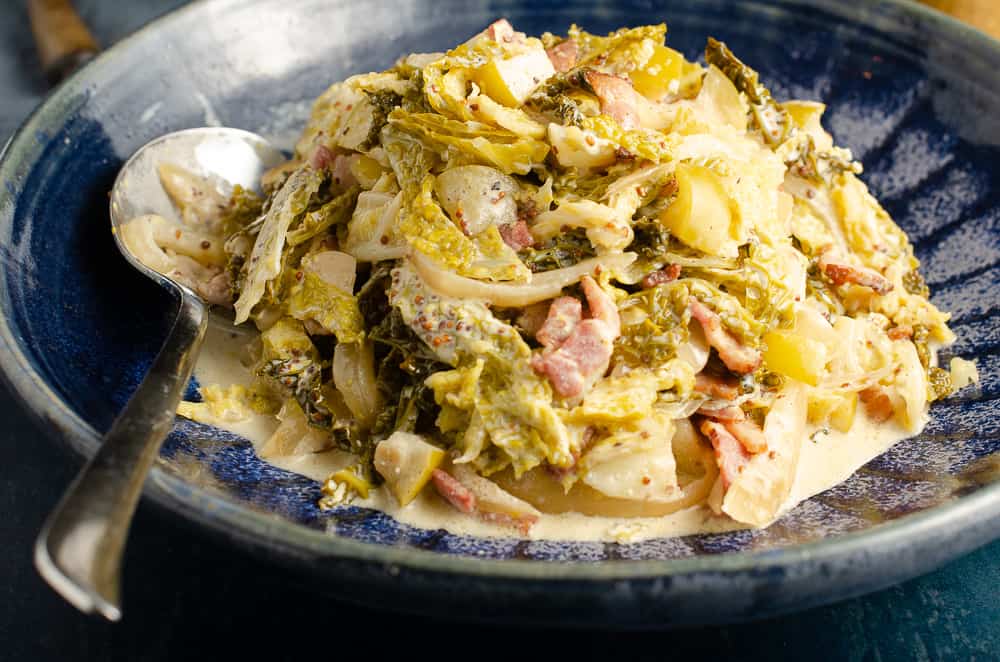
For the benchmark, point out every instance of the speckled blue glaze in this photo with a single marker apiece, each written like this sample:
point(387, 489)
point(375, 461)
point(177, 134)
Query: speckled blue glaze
point(80, 327)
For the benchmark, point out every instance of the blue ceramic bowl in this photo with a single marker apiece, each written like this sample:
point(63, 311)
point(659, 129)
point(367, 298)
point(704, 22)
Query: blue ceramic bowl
point(915, 96)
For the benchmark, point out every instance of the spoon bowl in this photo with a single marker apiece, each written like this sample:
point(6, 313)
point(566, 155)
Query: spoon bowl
point(233, 156)
point(79, 550)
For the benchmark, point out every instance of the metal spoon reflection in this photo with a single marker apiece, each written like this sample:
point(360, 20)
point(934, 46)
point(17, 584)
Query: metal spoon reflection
point(79, 550)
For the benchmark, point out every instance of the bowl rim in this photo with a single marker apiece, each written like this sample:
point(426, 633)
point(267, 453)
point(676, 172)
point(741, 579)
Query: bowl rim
point(980, 510)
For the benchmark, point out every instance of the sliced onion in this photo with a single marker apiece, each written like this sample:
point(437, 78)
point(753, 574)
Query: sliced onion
point(196, 196)
point(757, 494)
point(545, 493)
point(374, 251)
point(542, 286)
point(294, 435)
point(354, 377)
point(333, 267)
point(696, 350)
point(681, 409)
point(490, 497)
point(138, 235)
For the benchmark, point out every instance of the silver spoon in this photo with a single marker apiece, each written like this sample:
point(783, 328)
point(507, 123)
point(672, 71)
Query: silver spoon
point(79, 550)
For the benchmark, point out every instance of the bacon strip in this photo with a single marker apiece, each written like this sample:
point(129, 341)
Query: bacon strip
point(748, 434)
point(453, 491)
point(564, 315)
point(724, 414)
point(584, 354)
point(839, 272)
point(738, 357)
point(321, 158)
point(618, 98)
point(463, 500)
point(563, 56)
point(717, 387)
point(667, 274)
point(517, 235)
point(737, 424)
point(729, 452)
point(563, 374)
point(583, 357)
point(503, 31)
point(339, 165)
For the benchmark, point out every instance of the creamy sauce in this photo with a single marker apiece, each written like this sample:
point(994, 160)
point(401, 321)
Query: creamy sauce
point(825, 460)
point(828, 459)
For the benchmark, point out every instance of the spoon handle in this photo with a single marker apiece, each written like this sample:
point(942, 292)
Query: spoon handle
point(79, 550)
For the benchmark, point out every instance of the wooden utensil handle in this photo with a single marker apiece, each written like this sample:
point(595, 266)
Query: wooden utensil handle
point(61, 37)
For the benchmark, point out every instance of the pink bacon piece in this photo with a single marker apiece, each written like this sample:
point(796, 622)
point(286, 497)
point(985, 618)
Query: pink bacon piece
point(464, 501)
point(618, 98)
point(748, 434)
point(339, 165)
point(562, 372)
point(453, 491)
point(729, 452)
point(724, 414)
point(737, 424)
point(667, 274)
point(563, 56)
point(716, 387)
point(840, 272)
point(738, 357)
point(583, 356)
point(503, 31)
point(321, 158)
point(564, 315)
point(517, 235)
point(580, 360)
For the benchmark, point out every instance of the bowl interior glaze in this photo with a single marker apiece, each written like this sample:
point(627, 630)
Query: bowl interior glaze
point(912, 94)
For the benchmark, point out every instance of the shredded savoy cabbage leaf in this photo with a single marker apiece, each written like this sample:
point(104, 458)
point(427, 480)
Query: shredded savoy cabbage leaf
point(582, 266)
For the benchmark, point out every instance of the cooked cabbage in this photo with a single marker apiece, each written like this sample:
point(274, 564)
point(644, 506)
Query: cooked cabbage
point(569, 274)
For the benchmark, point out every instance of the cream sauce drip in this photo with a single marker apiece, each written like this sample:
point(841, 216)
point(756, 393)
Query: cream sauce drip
point(825, 460)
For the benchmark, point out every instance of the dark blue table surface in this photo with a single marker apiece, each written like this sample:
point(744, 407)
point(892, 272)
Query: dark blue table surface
point(188, 596)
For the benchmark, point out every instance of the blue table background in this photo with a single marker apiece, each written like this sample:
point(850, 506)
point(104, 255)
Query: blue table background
point(188, 596)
